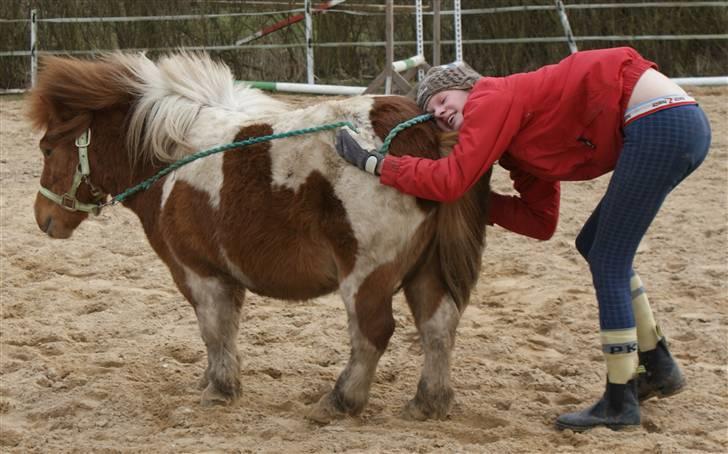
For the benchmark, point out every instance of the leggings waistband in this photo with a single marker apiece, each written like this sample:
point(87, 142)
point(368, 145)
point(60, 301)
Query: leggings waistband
point(653, 105)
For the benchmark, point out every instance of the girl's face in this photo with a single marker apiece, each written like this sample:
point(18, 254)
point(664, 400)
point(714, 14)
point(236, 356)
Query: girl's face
point(447, 107)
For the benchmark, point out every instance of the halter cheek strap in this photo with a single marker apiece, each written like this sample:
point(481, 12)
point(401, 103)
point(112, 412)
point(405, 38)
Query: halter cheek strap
point(68, 200)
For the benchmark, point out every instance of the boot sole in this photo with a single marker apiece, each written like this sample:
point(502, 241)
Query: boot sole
point(661, 394)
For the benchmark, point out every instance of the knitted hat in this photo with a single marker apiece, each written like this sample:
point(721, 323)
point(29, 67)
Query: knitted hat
point(454, 76)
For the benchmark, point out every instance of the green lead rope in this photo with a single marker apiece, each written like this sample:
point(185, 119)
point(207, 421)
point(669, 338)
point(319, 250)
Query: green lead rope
point(404, 125)
point(146, 184)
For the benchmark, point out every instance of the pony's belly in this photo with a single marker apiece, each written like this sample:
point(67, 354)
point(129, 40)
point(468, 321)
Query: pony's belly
point(294, 291)
point(285, 271)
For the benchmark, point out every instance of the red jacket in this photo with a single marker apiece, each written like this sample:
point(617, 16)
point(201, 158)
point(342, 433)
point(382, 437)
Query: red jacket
point(562, 122)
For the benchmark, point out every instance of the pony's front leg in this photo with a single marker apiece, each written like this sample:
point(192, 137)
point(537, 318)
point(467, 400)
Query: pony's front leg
point(217, 307)
point(371, 324)
point(437, 318)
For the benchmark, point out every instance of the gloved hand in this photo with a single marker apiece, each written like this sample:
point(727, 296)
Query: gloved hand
point(349, 149)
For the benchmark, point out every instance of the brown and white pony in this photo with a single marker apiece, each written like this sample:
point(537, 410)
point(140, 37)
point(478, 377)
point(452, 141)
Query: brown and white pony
point(286, 219)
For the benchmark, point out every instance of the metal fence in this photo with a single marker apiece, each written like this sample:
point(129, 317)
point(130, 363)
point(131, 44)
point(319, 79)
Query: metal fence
point(34, 49)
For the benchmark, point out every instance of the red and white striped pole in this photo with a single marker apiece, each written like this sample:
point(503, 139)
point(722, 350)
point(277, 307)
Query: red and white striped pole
point(286, 22)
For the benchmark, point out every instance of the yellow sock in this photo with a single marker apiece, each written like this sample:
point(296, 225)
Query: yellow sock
point(620, 352)
point(648, 333)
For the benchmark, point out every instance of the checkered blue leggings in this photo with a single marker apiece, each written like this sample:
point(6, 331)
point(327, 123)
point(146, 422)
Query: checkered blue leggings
point(660, 150)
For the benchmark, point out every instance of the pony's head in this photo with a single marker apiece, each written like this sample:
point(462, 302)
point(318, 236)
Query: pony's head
point(68, 96)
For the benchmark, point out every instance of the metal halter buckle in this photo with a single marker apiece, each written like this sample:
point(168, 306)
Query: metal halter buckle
point(84, 139)
point(68, 202)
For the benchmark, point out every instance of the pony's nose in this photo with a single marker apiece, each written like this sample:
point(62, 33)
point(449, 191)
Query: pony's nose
point(46, 225)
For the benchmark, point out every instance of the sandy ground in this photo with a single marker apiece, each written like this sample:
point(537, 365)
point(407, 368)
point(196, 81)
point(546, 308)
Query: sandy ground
point(100, 352)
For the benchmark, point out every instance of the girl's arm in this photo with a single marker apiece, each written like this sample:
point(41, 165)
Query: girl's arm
point(534, 212)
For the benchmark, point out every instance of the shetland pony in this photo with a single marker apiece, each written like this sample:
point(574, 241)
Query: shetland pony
point(285, 219)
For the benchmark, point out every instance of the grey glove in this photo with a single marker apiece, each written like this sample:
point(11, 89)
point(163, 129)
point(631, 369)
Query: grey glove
point(349, 149)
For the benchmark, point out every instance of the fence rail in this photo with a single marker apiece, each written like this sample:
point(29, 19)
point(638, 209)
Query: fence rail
point(543, 39)
point(464, 12)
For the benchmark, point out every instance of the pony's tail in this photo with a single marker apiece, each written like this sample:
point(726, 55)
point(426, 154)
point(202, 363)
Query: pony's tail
point(460, 237)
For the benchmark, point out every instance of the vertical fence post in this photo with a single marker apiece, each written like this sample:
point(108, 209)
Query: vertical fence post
point(435, 32)
point(33, 47)
point(458, 33)
point(567, 28)
point(309, 43)
point(389, 47)
point(420, 39)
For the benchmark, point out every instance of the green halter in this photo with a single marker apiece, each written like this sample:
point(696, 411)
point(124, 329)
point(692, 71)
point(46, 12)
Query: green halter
point(68, 200)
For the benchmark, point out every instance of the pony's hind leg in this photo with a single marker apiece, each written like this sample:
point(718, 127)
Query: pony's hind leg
point(437, 317)
point(217, 307)
point(371, 324)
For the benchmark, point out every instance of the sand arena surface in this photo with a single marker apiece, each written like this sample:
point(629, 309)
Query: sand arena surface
point(101, 353)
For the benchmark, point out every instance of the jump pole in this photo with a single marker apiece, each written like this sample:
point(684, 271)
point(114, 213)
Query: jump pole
point(319, 89)
point(409, 63)
point(715, 80)
point(287, 22)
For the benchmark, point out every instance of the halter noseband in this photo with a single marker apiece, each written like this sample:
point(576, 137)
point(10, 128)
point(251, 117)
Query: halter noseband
point(68, 200)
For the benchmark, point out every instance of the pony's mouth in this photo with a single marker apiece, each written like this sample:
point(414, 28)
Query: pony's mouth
point(46, 225)
point(54, 229)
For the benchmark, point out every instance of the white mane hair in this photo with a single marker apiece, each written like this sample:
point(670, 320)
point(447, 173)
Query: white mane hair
point(172, 92)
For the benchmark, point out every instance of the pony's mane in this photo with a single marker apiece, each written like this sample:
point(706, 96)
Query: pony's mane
point(163, 97)
point(170, 94)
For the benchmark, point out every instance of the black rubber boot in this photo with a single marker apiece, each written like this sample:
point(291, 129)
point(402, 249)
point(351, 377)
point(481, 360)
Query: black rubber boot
point(617, 409)
point(659, 376)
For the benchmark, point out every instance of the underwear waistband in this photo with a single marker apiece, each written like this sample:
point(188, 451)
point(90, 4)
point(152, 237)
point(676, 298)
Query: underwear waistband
point(653, 105)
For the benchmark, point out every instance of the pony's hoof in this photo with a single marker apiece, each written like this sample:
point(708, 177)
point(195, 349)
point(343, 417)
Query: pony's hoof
point(212, 396)
point(323, 411)
point(415, 410)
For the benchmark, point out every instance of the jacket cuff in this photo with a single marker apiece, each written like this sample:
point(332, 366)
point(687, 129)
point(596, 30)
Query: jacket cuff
point(390, 171)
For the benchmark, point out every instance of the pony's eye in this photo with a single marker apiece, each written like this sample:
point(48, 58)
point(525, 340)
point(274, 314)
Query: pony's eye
point(46, 151)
